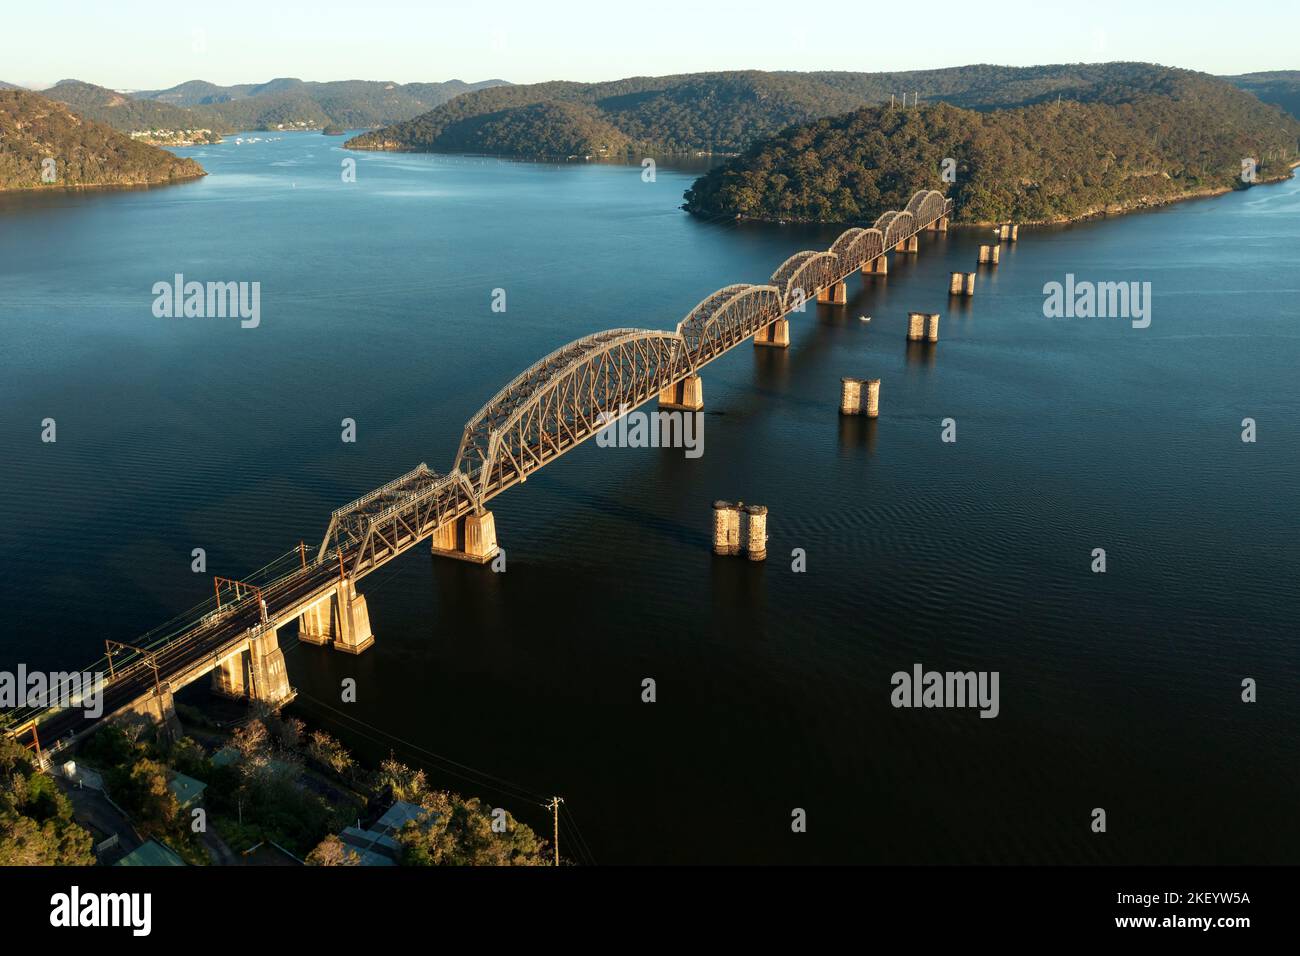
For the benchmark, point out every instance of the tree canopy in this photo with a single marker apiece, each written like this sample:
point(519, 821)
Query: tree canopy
point(1147, 139)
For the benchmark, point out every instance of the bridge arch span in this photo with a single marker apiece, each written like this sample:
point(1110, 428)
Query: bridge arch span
point(844, 248)
point(808, 271)
point(900, 227)
point(927, 206)
point(562, 400)
point(867, 244)
point(726, 318)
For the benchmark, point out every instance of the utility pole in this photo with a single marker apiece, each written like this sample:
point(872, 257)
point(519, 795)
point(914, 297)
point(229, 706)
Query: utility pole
point(554, 807)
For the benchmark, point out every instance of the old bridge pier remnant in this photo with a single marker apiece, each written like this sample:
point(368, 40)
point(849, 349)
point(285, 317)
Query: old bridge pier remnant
point(962, 283)
point(860, 396)
point(923, 326)
point(739, 526)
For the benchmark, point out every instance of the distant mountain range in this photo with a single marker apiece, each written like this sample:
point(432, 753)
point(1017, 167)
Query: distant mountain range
point(35, 130)
point(726, 112)
point(277, 104)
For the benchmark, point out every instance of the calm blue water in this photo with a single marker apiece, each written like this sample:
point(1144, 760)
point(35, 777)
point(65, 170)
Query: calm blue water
point(1118, 690)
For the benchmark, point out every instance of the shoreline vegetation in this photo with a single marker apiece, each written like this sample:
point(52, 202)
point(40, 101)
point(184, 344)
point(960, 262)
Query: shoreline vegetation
point(1141, 205)
point(268, 787)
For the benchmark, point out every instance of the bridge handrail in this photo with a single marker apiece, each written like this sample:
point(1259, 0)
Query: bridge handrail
point(420, 469)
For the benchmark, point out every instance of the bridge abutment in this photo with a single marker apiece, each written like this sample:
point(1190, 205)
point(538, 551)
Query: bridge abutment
point(471, 538)
point(341, 619)
point(686, 396)
point(158, 707)
point(776, 335)
point(256, 672)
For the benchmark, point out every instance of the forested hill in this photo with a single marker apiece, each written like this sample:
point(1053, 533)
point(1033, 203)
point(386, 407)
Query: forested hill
point(126, 113)
point(85, 153)
point(1141, 140)
point(726, 112)
point(715, 112)
point(1281, 87)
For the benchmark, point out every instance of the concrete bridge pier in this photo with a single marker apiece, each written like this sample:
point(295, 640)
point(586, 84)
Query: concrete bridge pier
point(835, 294)
point(878, 266)
point(256, 672)
point(340, 619)
point(472, 538)
point(939, 225)
point(990, 254)
point(910, 244)
point(686, 396)
point(776, 335)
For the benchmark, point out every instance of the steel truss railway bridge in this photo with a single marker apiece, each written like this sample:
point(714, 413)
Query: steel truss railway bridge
point(548, 409)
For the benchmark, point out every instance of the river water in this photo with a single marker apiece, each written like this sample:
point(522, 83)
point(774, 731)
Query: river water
point(1118, 690)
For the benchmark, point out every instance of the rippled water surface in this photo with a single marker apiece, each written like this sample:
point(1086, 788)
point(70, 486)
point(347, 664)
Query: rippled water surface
point(1119, 690)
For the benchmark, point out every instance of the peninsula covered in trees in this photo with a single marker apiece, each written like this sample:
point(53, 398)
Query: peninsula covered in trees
point(43, 144)
point(1150, 136)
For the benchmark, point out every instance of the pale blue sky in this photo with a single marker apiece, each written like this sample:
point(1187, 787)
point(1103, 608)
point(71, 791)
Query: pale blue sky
point(138, 44)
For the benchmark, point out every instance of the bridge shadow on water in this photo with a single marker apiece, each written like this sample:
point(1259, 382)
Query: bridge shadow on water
point(624, 509)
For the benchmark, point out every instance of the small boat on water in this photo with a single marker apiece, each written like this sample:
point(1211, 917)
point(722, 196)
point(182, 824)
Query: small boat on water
point(864, 318)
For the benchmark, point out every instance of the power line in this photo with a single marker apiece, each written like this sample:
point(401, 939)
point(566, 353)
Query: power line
point(582, 840)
